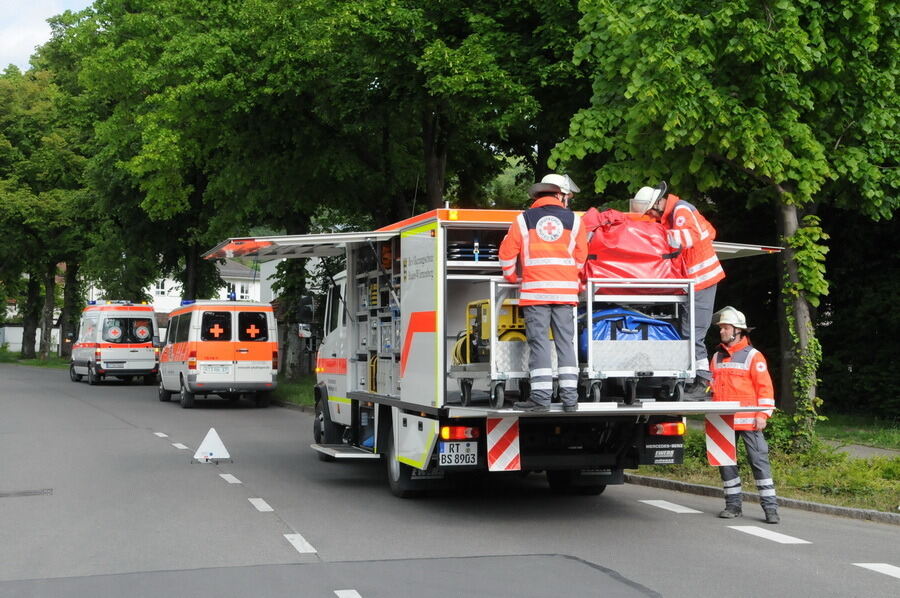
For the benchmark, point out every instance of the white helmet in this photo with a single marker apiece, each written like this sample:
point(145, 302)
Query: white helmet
point(646, 198)
point(565, 184)
point(729, 315)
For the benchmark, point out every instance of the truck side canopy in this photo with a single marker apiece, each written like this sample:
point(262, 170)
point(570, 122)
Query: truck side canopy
point(294, 246)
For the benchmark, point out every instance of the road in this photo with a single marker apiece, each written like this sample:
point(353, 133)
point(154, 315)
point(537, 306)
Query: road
point(97, 499)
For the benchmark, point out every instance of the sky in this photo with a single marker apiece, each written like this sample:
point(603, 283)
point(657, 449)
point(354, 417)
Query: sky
point(23, 26)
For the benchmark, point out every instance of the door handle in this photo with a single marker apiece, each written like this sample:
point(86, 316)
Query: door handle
point(243, 350)
point(334, 354)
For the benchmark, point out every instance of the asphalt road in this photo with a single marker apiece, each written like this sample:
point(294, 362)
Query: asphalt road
point(96, 499)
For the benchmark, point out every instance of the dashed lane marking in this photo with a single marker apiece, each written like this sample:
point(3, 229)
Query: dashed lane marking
point(764, 533)
point(881, 568)
point(160, 434)
point(180, 446)
point(347, 594)
point(298, 542)
point(229, 478)
point(670, 506)
point(261, 505)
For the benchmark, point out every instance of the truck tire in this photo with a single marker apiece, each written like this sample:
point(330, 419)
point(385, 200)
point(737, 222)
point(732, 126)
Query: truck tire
point(399, 475)
point(187, 397)
point(569, 481)
point(324, 430)
point(164, 395)
point(72, 375)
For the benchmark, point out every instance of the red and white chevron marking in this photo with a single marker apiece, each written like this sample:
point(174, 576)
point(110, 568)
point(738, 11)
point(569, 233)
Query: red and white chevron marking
point(720, 442)
point(503, 444)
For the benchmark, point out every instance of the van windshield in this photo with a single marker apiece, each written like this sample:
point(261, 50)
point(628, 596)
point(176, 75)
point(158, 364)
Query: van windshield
point(127, 330)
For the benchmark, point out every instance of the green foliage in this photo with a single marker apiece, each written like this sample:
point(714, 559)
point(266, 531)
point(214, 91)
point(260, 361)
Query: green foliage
point(6, 356)
point(868, 431)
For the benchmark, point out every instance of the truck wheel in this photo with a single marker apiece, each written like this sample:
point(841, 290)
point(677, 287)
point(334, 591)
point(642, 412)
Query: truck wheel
point(164, 395)
point(187, 397)
point(498, 395)
point(324, 430)
point(399, 474)
point(569, 481)
point(72, 375)
point(263, 398)
point(465, 392)
point(93, 379)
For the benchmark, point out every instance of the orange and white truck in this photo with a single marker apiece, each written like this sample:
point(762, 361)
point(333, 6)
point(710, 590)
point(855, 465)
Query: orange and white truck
point(115, 339)
point(393, 383)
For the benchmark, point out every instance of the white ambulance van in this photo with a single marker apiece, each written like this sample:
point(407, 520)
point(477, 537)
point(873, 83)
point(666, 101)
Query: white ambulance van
point(116, 339)
point(225, 348)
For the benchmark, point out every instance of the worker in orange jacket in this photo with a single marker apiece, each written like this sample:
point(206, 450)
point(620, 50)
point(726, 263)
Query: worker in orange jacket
point(549, 243)
point(740, 373)
point(689, 231)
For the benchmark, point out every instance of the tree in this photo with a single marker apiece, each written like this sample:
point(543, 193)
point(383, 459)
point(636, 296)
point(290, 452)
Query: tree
point(791, 103)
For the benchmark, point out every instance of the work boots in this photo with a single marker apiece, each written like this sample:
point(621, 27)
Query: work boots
point(731, 512)
point(530, 405)
point(698, 390)
point(772, 515)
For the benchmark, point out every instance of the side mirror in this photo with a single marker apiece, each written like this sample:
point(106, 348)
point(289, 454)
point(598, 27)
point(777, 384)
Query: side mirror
point(156, 342)
point(70, 337)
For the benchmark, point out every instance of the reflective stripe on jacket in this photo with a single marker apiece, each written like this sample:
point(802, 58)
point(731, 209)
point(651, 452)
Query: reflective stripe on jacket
point(740, 373)
point(689, 231)
point(550, 243)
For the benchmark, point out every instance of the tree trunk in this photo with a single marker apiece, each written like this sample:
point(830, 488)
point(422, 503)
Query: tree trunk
point(67, 323)
point(434, 138)
point(788, 223)
point(31, 316)
point(47, 311)
point(191, 275)
point(292, 289)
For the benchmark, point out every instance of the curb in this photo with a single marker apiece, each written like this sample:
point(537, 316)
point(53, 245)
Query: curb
point(792, 503)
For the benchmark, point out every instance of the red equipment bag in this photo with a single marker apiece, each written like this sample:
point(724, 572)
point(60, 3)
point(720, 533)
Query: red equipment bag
point(628, 246)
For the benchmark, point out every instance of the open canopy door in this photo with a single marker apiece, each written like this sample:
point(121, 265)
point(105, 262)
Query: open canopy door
point(293, 246)
point(730, 251)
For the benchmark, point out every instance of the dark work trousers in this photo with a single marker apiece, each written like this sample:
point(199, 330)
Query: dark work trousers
point(539, 319)
point(703, 312)
point(758, 455)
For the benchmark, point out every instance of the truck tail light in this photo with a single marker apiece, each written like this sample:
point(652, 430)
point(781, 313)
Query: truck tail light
point(275, 359)
point(667, 429)
point(459, 432)
point(192, 360)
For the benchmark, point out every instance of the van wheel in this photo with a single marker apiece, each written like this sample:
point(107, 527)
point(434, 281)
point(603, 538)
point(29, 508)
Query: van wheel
point(263, 398)
point(93, 379)
point(164, 395)
point(187, 397)
point(399, 474)
point(72, 375)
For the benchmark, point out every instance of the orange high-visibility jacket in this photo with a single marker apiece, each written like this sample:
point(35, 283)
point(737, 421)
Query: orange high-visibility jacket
point(740, 373)
point(688, 230)
point(552, 245)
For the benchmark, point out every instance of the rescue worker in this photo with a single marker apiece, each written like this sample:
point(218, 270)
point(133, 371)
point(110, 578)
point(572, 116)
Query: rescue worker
point(549, 243)
point(740, 373)
point(690, 232)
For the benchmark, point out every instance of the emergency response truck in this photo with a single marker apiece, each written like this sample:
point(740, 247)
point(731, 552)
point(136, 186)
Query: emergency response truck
point(223, 348)
point(393, 325)
point(115, 339)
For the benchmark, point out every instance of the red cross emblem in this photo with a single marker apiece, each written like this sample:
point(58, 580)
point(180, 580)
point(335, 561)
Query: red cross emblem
point(216, 330)
point(549, 228)
point(253, 331)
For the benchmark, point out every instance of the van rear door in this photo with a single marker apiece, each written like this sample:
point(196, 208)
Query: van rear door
point(254, 347)
point(215, 351)
point(126, 343)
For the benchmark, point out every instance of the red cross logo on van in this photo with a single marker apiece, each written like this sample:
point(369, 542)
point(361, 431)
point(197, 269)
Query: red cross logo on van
point(216, 330)
point(253, 331)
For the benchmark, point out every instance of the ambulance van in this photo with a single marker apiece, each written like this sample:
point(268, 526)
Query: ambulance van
point(116, 339)
point(224, 348)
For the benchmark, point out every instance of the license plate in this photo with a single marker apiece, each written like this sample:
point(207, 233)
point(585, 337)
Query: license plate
point(458, 453)
point(114, 364)
point(215, 369)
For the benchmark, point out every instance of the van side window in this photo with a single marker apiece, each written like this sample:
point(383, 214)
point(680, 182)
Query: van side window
point(184, 328)
point(86, 333)
point(252, 326)
point(334, 305)
point(172, 330)
point(215, 326)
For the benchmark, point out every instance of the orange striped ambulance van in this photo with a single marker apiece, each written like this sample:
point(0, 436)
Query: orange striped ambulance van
point(224, 348)
point(115, 339)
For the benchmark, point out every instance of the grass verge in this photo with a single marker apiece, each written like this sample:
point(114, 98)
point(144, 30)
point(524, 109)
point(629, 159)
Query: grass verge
point(822, 474)
point(857, 429)
point(298, 392)
point(52, 361)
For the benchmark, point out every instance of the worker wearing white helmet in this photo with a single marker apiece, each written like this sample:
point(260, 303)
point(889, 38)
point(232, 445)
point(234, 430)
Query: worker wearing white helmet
point(549, 243)
point(688, 231)
point(740, 373)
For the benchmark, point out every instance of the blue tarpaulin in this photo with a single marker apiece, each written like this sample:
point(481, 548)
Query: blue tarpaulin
point(624, 325)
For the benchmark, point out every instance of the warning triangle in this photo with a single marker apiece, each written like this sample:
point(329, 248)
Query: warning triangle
point(211, 449)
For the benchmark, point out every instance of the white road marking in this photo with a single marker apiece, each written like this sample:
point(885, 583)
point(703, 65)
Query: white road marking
point(881, 568)
point(178, 445)
point(261, 505)
point(160, 434)
point(347, 594)
point(298, 542)
point(764, 533)
point(669, 506)
point(229, 478)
